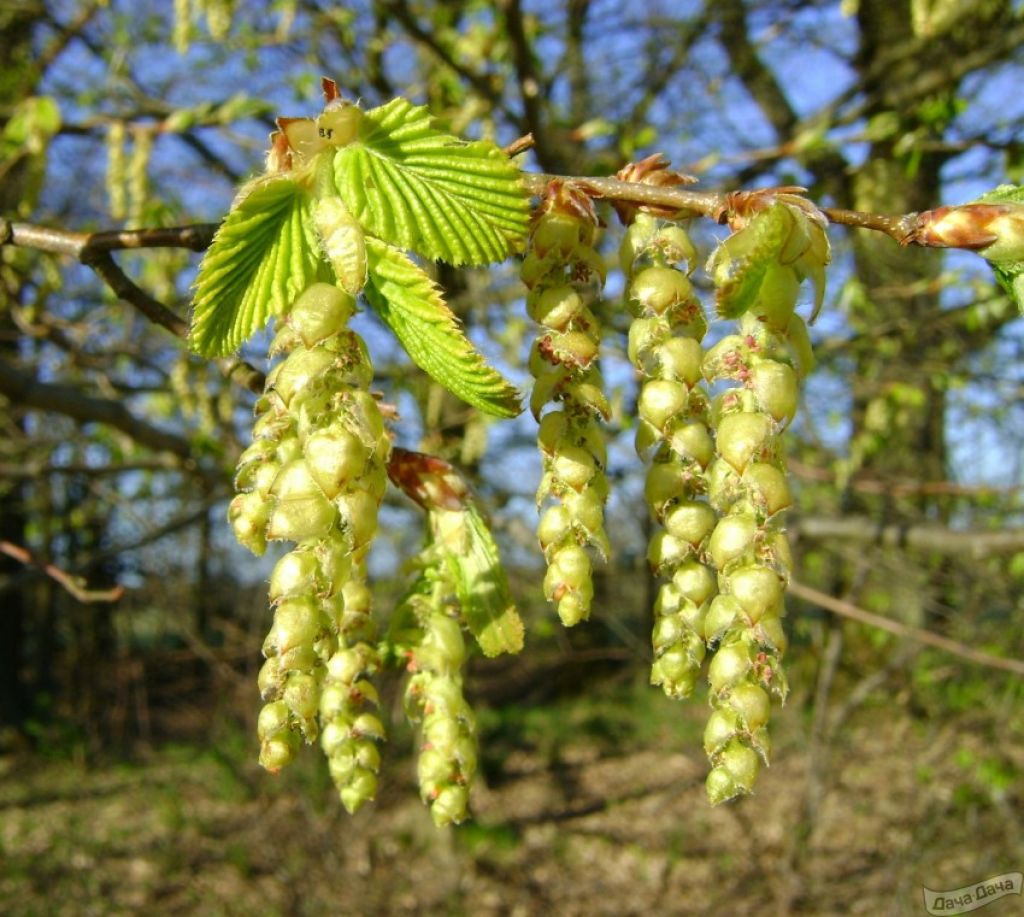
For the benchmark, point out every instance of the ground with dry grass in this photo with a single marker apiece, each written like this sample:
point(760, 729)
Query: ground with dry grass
point(589, 806)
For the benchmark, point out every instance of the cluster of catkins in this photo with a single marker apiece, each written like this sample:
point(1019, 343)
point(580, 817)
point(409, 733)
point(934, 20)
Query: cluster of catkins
point(564, 273)
point(315, 474)
point(716, 486)
point(775, 249)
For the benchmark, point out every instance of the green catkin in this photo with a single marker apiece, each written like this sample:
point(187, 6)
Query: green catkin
point(137, 179)
point(316, 474)
point(564, 273)
point(218, 17)
point(117, 169)
point(448, 753)
point(182, 32)
point(747, 482)
point(665, 347)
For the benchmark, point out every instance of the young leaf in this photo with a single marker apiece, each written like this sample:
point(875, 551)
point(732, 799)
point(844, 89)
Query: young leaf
point(474, 565)
point(738, 265)
point(411, 305)
point(424, 190)
point(263, 256)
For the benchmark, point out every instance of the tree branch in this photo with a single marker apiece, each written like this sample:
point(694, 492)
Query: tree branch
point(855, 613)
point(969, 543)
point(67, 400)
point(74, 585)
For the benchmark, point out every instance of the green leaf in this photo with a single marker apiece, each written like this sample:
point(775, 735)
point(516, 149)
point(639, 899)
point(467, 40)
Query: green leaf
point(739, 264)
point(263, 256)
point(473, 562)
point(428, 191)
point(411, 305)
point(1004, 194)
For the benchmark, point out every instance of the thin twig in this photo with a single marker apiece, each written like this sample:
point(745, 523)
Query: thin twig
point(73, 585)
point(855, 613)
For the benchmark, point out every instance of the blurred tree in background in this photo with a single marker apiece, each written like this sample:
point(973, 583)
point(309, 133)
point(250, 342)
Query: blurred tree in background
point(117, 444)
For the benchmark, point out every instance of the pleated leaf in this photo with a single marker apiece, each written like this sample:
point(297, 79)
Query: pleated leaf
point(424, 190)
point(410, 303)
point(739, 264)
point(471, 556)
point(263, 256)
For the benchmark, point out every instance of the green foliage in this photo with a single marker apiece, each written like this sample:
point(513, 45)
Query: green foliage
point(411, 305)
point(424, 190)
point(264, 255)
point(471, 556)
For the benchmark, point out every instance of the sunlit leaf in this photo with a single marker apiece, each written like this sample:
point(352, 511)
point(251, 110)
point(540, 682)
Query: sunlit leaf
point(263, 256)
point(424, 190)
point(411, 305)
